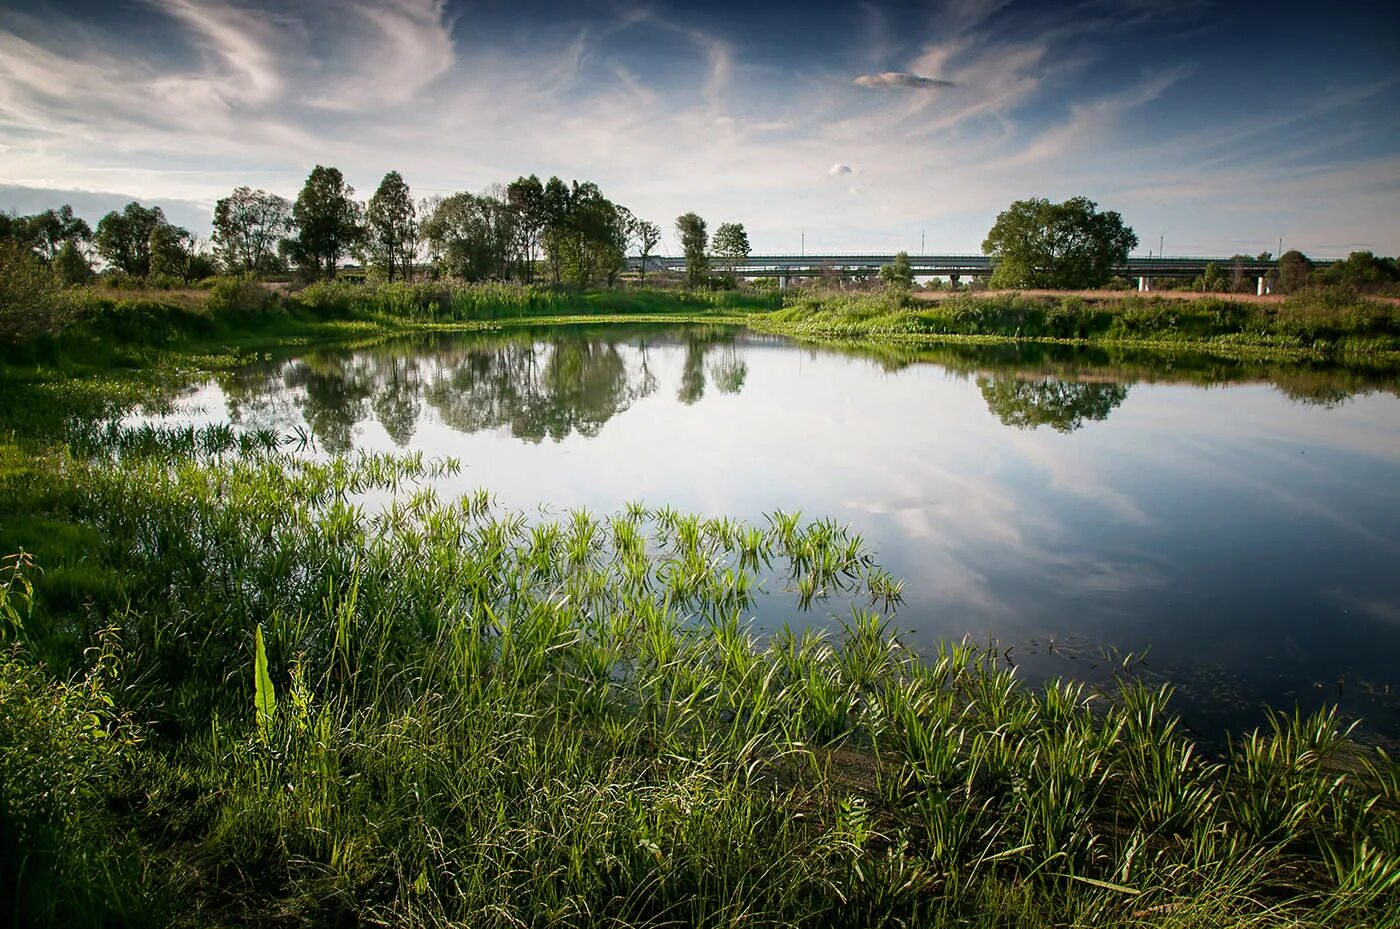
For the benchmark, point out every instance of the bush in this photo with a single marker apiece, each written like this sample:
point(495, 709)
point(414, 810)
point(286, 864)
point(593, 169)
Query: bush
point(242, 294)
point(30, 302)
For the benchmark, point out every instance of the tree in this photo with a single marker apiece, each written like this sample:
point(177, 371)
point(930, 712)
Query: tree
point(1362, 270)
point(1294, 271)
point(391, 227)
point(526, 197)
point(247, 226)
point(731, 244)
point(472, 236)
point(694, 240)
point(327, 222)
point(124, 239)
point(1211, 279)
point(1036, 243)
point(46, 233)
point(71, 265)
point(554, 216)
point(898, 275)
point(171, 250)
point(648, 234)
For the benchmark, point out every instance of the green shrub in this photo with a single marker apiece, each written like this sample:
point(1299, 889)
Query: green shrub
point(242, 294)
point(30, 302)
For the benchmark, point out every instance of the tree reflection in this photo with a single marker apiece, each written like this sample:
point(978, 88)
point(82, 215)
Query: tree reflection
point(397, 400)
point(1062, 405)
point(729, 371)
point(693, 372)
point(537, 388)
point(337, 390)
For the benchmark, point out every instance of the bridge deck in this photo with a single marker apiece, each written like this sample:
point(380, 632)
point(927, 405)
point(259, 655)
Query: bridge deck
point(942, 265)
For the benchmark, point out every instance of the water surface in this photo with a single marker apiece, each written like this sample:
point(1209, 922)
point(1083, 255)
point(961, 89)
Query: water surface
point(1239, 522)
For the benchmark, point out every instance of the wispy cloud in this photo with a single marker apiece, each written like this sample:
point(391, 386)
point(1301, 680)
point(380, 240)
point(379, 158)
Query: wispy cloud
point(949, 114)
point(902, 79)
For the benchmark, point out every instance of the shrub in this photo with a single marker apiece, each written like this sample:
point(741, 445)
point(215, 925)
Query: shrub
point(30, 302)
point(242, 294)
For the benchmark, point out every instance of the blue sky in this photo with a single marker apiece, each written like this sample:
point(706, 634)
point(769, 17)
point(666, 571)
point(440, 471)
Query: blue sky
point(863, 126)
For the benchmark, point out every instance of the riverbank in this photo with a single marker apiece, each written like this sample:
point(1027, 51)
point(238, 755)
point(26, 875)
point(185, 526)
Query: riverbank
point(107, 326)
point(1316, 325)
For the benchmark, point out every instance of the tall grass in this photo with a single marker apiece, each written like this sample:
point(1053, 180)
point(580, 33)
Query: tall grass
point(235, 692)
point(1320, 320)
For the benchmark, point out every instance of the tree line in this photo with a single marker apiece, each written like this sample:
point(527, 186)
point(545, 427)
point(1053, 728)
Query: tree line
point(561, 233)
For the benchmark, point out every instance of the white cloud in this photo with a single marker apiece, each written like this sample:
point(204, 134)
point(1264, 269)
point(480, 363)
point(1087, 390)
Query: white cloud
point(903, 79)
point(264, 94)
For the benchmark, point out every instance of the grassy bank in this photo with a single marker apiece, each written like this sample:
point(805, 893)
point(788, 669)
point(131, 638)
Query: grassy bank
point(233, 696)
point(109, 326)
point(1317, 323)
point(105, 328)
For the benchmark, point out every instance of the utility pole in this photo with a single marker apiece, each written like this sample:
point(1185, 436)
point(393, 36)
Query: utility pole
point(1279, 253)
point(1160, 239)
point(804, 243)
point(921, 242)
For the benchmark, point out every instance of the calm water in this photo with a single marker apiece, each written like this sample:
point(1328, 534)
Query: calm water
point(1242, 524)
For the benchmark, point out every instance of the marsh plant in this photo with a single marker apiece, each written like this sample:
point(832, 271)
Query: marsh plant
point(244, 687)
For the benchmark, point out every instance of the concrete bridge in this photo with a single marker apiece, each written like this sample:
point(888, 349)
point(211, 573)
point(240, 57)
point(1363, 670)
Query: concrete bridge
point(955, 267)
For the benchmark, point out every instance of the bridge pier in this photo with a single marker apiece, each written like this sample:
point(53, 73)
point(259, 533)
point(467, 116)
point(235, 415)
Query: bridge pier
point(1144, 284)
point(1262, 287)
point(782, 282)
point(953, 279)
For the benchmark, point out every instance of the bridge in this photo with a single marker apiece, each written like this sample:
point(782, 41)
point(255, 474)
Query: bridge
point(955, 267)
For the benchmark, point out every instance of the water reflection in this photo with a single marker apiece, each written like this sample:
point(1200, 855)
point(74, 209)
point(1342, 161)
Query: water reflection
point(536, 387)
point(1061, 405)
point(1247, 533)
point(559, 383)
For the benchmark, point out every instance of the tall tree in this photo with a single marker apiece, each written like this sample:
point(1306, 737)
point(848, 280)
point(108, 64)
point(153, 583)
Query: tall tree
point(391, 227)
point(554, 212)
point(472, 236)
point(731, 244)
point(327, 221)
point(526, 197)
point(171, 251)
point(124, 239)
point(694, 241)
point(1036, 243)
point(247, 226)
point(648, 235)
point(46, 233)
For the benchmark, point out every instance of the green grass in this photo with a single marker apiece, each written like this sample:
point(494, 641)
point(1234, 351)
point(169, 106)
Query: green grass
point(1315, 323)
point(278, 706)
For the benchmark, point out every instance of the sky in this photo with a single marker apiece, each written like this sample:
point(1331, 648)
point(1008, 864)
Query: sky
point(1213, 128)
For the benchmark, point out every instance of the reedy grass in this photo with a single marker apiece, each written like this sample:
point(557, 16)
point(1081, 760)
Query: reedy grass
point(1309, 324)
point(301, 709)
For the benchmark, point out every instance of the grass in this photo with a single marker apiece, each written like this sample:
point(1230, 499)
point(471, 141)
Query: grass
point(236, 695)
point(1317, 323)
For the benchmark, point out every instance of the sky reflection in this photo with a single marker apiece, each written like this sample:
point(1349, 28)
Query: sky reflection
point(1247, 538)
